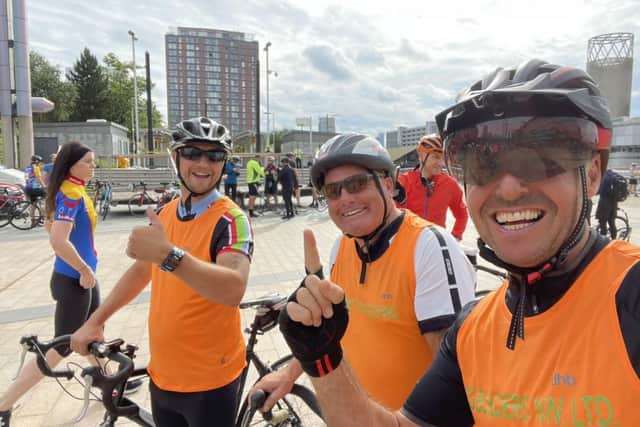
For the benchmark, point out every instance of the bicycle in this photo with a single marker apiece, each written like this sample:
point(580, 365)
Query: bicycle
point(27, 214)
point(622, 226)
point(103, 198)
point(167, 193)
point(10, 198)
point(289, 411)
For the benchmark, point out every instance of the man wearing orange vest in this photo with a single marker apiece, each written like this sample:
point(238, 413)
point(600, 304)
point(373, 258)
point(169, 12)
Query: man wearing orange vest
point(429, 192)
point(557, 343)
point(196, 252)
point(404, 278)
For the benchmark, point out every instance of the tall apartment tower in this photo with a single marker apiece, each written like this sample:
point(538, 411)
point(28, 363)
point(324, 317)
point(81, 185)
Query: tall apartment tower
point(327, 124)
point(212, 73)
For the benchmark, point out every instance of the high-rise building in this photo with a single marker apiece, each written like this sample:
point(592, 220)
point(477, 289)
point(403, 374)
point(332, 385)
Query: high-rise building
point(327, 124)
point(404, 135)
point(212, 73)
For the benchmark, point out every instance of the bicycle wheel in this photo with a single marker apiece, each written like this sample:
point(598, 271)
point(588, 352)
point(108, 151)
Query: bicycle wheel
point(322, 204)
point(138, 204)
point(105, 205)
point(623, 228)
point(5, 213)
point(298, 408)
point(23, 219)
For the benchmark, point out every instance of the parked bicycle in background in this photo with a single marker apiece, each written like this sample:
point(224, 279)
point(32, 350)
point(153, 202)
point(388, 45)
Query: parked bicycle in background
point(157, 199)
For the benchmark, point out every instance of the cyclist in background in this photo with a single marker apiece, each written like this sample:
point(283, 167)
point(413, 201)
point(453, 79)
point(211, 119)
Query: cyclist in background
point(607, 205)
point(47, 168)
point(430, 192)
point(232, 171)
point(34, 182)
point(559, 340)
point(196, 253)
point(255, 174)
point(404, 278)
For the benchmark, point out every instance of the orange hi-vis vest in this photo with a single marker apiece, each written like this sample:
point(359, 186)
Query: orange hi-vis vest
point(572, 369)
point(196, 344)
point(383, 343)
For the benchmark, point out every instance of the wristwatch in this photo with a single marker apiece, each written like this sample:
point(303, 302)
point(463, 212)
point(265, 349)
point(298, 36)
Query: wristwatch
point(172, 260)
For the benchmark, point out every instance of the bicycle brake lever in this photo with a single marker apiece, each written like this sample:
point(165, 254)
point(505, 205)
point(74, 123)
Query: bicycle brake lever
point(88, 383)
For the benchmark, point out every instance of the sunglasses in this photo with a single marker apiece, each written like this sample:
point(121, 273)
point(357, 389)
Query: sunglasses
point(353, 184)
point(194, 153)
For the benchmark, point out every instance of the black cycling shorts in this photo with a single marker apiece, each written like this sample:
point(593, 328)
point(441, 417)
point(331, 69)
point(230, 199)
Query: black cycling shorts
point(195, 409)
point(74, 305)
point(253, 189)
point(35, 193)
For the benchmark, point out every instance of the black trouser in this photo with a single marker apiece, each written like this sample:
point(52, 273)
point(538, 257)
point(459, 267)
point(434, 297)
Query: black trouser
point(288, 204)
point(606, 214)
point(74, 305)
point(196, 409)
point(230, 190)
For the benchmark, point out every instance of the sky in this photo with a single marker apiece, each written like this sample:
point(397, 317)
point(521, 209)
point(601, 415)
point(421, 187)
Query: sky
point(373, 65)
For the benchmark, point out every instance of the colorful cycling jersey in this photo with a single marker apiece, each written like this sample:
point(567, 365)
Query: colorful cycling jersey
point(32, 173)
point(431, 201)
point(578, 365)
point(74, 205)
point(400, 298)
point(196, 344)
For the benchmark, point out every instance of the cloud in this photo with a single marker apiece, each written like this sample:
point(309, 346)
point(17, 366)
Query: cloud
point(328, 61)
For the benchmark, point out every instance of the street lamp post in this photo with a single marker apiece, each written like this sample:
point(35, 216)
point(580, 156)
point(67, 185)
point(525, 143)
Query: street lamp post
point(135, 93)
point(267, 72)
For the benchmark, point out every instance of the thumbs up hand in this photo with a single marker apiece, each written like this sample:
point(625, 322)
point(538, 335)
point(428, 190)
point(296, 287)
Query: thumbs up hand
point(149, 242)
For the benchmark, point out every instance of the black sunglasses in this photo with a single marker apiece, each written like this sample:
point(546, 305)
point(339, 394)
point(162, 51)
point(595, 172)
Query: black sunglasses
point(194, 153)
point(353, 184)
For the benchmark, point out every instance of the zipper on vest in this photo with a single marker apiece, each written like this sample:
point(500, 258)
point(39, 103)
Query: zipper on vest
point(363, 272)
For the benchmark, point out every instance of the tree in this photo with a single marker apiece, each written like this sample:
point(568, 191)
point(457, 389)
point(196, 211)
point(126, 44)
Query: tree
point(46, 82)
point(121, 95)
point(91, 86)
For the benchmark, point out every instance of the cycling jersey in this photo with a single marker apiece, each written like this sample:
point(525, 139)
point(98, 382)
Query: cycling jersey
point(584, 371)
point(431, 200)
point(74, 205)
point(196, 344)
point(394, 299)
point(255, 172)
point(32, 173)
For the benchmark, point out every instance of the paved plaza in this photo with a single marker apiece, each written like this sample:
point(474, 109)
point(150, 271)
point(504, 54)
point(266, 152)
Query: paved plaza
point(26, 306)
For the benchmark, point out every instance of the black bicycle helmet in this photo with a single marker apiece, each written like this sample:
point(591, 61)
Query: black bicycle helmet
point(36, 158)
point(200, 130)
point(354, 149)
point(534, 89)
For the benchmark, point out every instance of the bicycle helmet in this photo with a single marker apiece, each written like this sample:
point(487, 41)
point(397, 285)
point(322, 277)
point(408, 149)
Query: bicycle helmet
point(36, 158)
point(352, 148)
point(200, 130)
point(530, 108)
point(430, 144)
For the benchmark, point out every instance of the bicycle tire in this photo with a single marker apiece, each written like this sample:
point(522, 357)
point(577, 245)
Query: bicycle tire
point(5, 213)
point(322, 204)
point(104, 206)
point(298, 408)
point(623, 228)
point(137, 204)
point(21, 217)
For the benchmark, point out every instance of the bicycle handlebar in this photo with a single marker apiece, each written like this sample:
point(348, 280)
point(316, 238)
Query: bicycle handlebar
point(94, 376)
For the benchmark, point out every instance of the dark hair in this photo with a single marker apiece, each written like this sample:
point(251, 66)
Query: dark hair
point(68, 156)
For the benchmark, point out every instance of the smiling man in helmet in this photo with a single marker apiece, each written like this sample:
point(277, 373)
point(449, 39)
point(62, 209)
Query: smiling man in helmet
point(404, 279)
point(196, 252)
point(559, 339)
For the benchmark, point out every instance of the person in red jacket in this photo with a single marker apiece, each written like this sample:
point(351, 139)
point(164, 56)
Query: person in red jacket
point(429, 191)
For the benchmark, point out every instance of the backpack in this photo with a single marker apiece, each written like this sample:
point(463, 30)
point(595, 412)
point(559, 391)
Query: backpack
point(620, 187)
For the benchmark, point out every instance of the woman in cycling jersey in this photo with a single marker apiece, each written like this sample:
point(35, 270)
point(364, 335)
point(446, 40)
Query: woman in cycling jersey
point(71, 225)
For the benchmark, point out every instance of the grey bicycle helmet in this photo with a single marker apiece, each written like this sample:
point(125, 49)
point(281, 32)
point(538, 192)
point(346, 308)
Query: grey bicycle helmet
point(201, 130)
point(535, 88)
point(353, 149)
point(36, 158)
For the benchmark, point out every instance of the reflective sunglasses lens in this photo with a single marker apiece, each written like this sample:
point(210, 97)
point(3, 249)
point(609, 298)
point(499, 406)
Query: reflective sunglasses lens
point(191, 153)
point(353, 184)
point(216, 156)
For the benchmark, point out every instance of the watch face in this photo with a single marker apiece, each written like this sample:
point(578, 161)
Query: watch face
point(172, 260)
